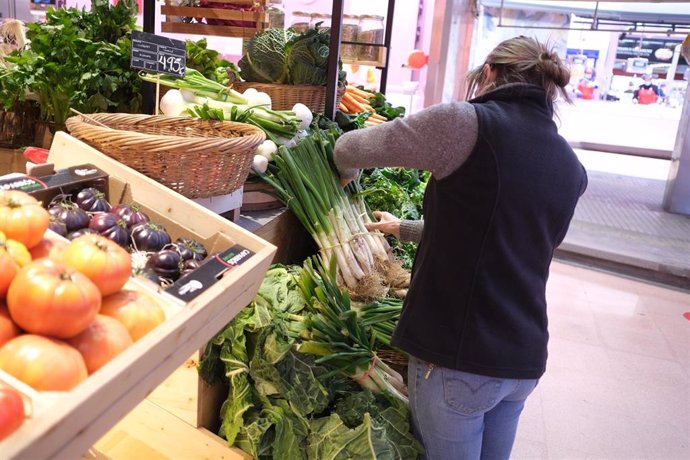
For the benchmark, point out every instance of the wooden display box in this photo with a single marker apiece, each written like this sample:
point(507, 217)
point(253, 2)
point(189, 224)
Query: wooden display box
point(65, 425)
point(213, 21)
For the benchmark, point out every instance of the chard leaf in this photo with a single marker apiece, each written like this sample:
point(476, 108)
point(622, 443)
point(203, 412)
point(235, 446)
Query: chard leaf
point(331, 439)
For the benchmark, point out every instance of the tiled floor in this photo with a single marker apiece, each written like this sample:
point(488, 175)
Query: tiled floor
point(617, 384)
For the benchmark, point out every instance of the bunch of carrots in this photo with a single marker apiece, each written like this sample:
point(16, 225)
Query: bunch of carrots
point(356, 101)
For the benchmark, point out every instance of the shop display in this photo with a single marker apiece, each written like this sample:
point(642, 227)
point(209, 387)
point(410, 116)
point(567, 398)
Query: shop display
point(289, 395)
point(111, 362)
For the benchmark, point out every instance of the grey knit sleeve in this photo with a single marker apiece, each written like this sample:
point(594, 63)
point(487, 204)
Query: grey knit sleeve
point(411, 230)
point(438, 139)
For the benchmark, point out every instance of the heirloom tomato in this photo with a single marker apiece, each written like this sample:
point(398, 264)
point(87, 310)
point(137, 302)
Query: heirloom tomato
point(43, 363)
point(8, 329)
point(13, 256)
point(50, 248)
point(139, 312)
point(11, 411)
point(101, 341)
point(49, 298)
point(108, 265)
point(22, 218)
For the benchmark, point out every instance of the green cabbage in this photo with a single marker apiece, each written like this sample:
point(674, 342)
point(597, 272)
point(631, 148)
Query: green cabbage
point(286, 57)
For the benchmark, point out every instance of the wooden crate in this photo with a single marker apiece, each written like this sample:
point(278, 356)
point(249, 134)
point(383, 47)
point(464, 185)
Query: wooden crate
point(203, 17)
point(68, 423)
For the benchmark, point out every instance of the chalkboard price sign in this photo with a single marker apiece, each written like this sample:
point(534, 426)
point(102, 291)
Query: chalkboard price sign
point(158, 54)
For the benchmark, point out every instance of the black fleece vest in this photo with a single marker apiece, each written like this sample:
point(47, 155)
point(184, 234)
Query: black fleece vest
point(477, 298)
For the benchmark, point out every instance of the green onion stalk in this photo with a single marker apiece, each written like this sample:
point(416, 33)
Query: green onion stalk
point(381, 316)
point(307, 182)
point(336, 334)
point(212, 100)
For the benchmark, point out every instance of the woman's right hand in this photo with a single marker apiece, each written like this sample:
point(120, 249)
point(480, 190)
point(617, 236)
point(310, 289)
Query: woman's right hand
point(387, 223)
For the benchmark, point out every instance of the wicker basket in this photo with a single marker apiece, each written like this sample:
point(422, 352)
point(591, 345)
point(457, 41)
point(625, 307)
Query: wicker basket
point(196, 158)
point(284, 97)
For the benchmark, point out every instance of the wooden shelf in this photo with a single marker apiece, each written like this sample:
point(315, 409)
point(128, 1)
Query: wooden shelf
point(175, 17)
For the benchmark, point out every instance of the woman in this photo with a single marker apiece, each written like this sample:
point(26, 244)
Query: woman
point(503, 190)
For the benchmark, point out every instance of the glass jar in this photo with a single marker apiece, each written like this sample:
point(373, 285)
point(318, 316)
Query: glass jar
point(276, 14)
point(371, 30)
point(300, 21)
point(323, 18)
point(349, 34)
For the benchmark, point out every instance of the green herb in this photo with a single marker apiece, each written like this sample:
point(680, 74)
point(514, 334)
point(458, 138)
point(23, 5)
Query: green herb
point(79, 59)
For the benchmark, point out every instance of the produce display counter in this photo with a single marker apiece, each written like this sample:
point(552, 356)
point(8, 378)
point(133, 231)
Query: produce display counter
point(66, 425)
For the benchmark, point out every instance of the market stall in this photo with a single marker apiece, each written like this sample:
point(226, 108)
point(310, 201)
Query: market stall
point(282, 370)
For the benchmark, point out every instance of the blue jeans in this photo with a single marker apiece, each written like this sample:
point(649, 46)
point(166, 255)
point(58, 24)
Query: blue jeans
point(463, 416)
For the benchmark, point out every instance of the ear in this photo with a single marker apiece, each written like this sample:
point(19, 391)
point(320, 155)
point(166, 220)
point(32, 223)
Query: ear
point(488, 73)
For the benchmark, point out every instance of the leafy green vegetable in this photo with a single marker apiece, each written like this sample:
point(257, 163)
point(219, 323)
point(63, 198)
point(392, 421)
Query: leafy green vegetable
point(284, 56)
point(79, 59)
point(385, 108)
point(399, 191)
point(208, 62)
point(282, 404)
point(331, 439)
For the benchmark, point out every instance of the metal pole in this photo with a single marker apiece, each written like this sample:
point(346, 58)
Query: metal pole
point(387, 43)
point(148, 90)
point(333, 59)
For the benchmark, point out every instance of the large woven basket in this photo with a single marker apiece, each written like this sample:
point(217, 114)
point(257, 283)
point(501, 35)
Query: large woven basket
point(284, 97)
point(196, 158)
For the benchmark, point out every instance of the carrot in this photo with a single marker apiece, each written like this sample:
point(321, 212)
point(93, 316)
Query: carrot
point(359, 98)
point(342, 107)
point(376, 116)
point(352, 104)
point(359, 92)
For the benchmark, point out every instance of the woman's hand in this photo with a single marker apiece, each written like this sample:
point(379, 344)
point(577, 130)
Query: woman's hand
point(387, 223)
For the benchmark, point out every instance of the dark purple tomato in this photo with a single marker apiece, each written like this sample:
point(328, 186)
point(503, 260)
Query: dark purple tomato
point(82, 231)
point(149, 237)
point(70, 214)
point(92, 200)
point(110, 226)
point(131, 215)
point(165, 263)
point(190, 249)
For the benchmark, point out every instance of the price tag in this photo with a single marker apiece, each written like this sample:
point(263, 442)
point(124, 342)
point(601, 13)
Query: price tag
point(158, 54)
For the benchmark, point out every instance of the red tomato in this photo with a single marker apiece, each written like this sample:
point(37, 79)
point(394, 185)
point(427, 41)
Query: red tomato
point(49, 298)
point(50, 248)
point(22, 217)
point(139, 312)
point(43, 363)
point(108, 265)
point(13, 256)
point(8, 329)
point(104, 339)
point(11, 411)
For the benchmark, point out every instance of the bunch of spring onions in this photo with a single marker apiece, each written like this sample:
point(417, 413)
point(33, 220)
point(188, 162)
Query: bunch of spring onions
point(335, 333)
point(381, 316)
point(308, 184)
point(200, 97)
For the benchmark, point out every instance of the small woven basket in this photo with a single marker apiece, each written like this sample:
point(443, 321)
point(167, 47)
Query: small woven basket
point(196, 158)
point(284, 97)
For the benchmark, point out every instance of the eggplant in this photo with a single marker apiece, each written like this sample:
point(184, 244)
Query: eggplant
point(190, 249)
point(149, 237)
point(70, 214)
point(110, 226)
point(92, 200)
point(82, 231)
point(166, 264)
point(131, 215)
